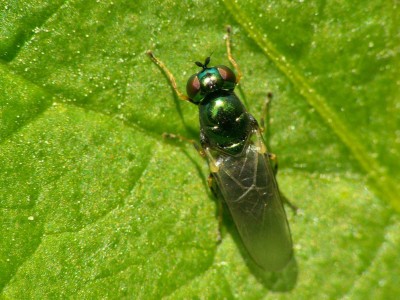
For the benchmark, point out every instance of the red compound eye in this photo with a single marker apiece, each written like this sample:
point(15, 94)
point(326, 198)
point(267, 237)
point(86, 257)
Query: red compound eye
point(226, 74)
point(193, 86)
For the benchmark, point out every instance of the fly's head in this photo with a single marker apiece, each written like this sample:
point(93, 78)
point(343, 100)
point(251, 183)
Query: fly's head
point(209, 80)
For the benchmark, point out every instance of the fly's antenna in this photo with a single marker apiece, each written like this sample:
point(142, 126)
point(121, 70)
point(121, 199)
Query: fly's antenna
point(206, 62)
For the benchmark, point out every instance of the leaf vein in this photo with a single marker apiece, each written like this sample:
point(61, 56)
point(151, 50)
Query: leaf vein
point(376, 175)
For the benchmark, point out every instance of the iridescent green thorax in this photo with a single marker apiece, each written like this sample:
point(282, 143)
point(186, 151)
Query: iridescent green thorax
point(225, 123)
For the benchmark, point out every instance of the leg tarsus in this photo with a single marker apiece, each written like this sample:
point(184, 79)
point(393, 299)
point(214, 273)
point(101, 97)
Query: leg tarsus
point(293, 207)
point(274, 158)
point(170, 76)
point(181, 138)
point(265, 112)
point(228, 40)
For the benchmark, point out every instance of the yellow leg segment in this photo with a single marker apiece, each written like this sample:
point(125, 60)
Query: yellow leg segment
point(170, 76)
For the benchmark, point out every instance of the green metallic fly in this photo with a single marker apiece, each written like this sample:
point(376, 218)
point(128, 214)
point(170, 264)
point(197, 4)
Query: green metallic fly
point(241, 171)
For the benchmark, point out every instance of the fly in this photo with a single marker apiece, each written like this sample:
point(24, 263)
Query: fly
point(241, 172)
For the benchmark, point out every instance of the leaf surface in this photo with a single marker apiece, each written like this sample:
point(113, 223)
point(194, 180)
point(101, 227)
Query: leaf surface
point(95, 204)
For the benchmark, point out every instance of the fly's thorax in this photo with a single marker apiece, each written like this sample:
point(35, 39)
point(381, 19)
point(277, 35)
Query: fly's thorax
point(225, 123)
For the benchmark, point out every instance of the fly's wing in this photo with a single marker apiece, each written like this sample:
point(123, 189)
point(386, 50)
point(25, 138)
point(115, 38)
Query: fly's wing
point(248, 186)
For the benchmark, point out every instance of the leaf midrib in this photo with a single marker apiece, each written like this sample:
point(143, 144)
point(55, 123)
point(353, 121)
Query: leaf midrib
point(378, 179)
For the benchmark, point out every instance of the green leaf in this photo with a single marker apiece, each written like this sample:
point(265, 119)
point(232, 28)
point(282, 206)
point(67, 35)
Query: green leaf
point(95, 204)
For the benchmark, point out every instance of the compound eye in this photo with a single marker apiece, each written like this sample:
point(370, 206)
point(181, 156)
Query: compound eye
point(228, 76)
point(193, 88)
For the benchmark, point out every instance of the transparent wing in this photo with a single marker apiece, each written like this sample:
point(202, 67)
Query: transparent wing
point(248, 186)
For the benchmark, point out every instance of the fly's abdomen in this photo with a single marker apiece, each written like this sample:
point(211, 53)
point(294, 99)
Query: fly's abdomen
point(248, 187)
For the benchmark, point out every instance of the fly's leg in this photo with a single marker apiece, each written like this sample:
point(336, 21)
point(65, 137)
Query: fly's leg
point(293, 207)
point(180, 95)
point(210, 180)
point(273, 157)
point(264, 128)
point(181, 138)
point(168, 73)
point(285, 200)
point(265, 115)
point(228, 41)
